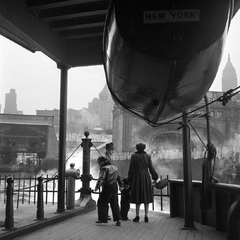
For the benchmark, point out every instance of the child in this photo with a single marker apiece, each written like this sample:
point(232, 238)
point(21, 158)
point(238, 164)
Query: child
point(109, 180)
point(125, 199)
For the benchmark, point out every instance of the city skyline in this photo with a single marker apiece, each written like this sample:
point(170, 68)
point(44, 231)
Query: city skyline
point(36, 78)
point(39, 87)
point(2, 108)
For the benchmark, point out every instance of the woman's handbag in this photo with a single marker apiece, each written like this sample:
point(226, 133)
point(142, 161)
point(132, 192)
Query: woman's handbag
point(160, 184)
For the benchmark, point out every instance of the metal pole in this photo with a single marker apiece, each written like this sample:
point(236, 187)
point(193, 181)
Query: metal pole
point(85, 199)
point(85, 177)
point(62, 138)
point(40, 205)
point(206, 194)
point(187, 171)
point(208, 116)
point(207, 119)
point(9, 220)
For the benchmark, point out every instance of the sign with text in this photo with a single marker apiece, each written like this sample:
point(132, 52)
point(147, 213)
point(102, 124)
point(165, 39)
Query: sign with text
point(185, 15)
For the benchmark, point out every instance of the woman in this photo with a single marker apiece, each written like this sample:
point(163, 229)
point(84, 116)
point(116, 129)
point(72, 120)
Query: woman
point(141, 182)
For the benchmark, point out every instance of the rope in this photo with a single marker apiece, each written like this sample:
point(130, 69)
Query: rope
point(54, 176)
point(68, 157)
point(197, 135)
point(212, 153)
point(207, 176)
point(97, 150)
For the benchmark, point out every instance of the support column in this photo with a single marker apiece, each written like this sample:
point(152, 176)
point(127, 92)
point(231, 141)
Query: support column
point(85, 199)
point(187, 172)
point(86, 145)
point(208, 116)
point(206, 192)
point(62, 138)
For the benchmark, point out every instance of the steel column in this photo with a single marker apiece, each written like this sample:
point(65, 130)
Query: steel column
point(62, 138)
point(85, 177)
point(187, 171)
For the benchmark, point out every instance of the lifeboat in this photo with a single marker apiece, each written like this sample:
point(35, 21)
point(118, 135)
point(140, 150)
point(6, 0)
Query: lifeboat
point(161, 57)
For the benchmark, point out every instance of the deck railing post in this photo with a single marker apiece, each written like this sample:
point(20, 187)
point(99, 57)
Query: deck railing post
point(40, 208)
point(86, 200)
point(9, 220)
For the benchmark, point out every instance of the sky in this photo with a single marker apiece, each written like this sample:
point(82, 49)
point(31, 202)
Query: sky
point(36, 78)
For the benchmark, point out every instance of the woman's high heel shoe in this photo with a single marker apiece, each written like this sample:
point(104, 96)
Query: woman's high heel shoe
point(146, 219)
point(136, 219)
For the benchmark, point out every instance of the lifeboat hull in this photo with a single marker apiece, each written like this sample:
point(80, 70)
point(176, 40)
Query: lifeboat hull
point(161, 58)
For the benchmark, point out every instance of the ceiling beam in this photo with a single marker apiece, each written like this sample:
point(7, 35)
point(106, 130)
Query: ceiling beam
point(76, 15)
point(36, 5)
point(17, 24)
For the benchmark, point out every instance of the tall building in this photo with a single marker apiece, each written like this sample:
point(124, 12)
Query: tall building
point(103, 107)
point(93, 107)
point(11, 102)
point(106, 108)
point(229, 76)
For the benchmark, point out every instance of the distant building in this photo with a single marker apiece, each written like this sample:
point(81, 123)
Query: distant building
point(97, 115)
point(55, 113)
point(11, 102)
point(103, 107)
point(20, 112)
point(28, 142)
point(77, 120)
point(93, 107)
point(229, 76)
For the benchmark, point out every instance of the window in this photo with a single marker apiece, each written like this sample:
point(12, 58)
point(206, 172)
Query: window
point(220, 114)
point(212, 114)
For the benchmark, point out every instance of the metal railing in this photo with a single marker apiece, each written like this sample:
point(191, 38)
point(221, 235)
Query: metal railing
point(164, 197)
point(25, 191)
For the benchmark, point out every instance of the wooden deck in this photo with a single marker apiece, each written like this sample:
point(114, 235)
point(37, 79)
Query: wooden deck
point(160, 226)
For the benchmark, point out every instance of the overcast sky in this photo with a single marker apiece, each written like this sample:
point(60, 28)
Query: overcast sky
point(36, 78)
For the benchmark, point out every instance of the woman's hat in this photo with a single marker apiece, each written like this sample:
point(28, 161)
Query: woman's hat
point(140, 146)
point(109, 146)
